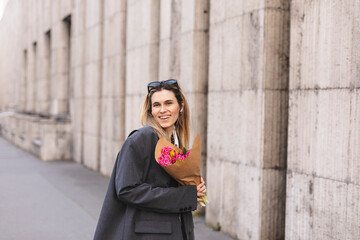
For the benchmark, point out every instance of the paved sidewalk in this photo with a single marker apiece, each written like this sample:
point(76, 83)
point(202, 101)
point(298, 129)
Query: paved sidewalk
point(55, 200)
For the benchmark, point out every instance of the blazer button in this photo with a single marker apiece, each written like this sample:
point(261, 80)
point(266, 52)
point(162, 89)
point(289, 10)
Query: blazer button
point(189, 208)
point(185, 209)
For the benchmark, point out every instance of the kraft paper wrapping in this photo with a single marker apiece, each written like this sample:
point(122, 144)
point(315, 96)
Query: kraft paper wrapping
point(187, 171)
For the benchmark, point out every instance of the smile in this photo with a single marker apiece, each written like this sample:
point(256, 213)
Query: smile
point(164, 118)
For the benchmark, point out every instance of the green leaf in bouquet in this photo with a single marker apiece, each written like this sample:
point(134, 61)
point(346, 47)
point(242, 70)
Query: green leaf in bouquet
point(184, 150)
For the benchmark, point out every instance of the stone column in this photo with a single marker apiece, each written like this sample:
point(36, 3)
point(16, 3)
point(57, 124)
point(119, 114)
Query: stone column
point(247, 117)
point(113, 84)
point(170, 40)
point(60, 63)
point(1, 81)
point(43, 86)
point(32, 26)
point(12, 51)
point(31, 78)
point(194, 52)
point(184, 56)
point(78, 65)
point(23, 81)
point(44, 96)
point(323, 178)
point(142, 56)
point(93, 83)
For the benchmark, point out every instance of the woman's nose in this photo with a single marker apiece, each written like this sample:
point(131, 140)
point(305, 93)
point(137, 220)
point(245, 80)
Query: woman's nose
point(162, 109)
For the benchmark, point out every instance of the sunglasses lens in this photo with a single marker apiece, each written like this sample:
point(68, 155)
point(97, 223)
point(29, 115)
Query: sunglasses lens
point(152, 85)
point(156, 84)
point(170, 81)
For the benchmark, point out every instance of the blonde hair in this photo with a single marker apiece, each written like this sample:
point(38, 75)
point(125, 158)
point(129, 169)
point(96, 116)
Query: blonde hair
point(181, 125)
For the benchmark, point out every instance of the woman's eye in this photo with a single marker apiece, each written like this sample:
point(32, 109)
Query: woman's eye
point(156, 105)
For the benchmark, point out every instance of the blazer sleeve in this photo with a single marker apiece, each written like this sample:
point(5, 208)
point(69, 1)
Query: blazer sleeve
point(130, 188)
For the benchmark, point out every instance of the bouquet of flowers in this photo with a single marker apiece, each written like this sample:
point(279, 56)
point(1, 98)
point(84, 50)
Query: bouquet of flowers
point(183, 165)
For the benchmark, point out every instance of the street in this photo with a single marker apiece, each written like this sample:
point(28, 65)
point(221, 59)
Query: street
point(55, 200)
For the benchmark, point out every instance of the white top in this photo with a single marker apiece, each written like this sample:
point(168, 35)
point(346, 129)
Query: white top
point(176, 139)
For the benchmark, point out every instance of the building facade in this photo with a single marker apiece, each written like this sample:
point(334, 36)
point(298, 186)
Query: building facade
point(272, 86)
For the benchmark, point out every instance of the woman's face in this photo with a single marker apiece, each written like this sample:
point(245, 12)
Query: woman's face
point(165, 109)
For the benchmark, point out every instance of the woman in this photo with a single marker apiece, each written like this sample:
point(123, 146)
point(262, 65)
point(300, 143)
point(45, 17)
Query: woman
point(143, 201)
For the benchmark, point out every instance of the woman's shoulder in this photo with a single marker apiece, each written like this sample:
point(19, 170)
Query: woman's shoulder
point(145, 133)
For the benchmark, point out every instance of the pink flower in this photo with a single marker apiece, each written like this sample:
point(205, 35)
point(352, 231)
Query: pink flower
point(164, 161)
point(170, 156)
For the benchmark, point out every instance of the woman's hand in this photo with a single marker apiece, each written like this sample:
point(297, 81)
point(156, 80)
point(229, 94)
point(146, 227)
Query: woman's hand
point(201, 190)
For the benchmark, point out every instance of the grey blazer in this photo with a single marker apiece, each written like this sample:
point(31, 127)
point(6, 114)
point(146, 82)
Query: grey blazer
point(142, 200)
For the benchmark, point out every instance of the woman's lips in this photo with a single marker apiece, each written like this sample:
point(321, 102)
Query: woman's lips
point(165, 118)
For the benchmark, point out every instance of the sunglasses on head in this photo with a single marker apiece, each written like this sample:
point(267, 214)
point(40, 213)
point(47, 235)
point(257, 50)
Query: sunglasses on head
point(157, 83)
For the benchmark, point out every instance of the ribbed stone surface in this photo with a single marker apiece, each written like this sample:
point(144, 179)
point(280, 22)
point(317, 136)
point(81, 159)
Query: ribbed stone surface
point(354, 139)
point(325, 38)
point(93, 55)
point(299, 206)
point(142, 56)
point(353, 212)
point(247, 112)
point(78, 80)
point(323, 176)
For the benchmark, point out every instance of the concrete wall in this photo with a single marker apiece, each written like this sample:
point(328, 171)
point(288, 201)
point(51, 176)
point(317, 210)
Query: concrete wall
point(37, 77)
point(183, 49)
point(1, 75)
point(274, 134)
point(247, 117)
point(10, 69)
point(142, 56)
point(92, 97)
point(113, 84)
point(323, 191)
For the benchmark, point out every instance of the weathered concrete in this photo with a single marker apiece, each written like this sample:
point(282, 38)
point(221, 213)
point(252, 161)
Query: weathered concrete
point(94, 28)
point(323, 175)
point(78, 79)
point(248, 81)
point(113, 83)
point(142, 56)
point(183, 49)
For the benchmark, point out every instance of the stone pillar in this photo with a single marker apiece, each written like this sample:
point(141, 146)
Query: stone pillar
point(194, 52)
point(142, 56)
point(184, 56)
point(247, 117)
point(60, 63)
point(23, 81)
point(31, 78)
point(12, 49)
point(32, 26)
point(78, 65)
point(1, 81)
point(92, 83)
point(43, 86)
point(323, 178)
point(44, 39)
point(45, 107)
point(170, 40)
point(113, 83)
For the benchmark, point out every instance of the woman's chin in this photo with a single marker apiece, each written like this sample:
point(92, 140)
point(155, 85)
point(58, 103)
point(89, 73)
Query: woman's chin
point(165, 126)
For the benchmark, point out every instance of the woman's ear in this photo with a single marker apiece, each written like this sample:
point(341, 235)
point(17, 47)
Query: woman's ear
point(182, 107)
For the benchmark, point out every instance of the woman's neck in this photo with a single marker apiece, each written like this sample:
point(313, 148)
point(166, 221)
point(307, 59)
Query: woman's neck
point(168, 133)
